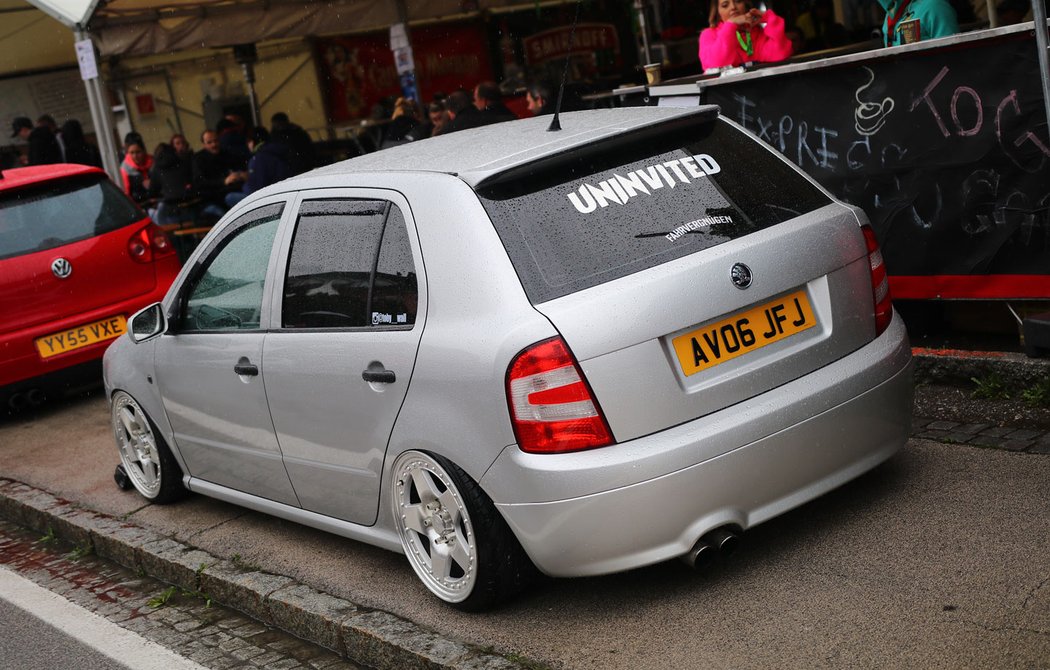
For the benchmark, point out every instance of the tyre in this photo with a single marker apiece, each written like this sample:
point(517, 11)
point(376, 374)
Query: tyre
point(455, 540)
point(148, 462)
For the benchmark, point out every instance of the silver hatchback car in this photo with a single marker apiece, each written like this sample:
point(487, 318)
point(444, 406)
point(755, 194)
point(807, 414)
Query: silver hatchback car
point(509, 349)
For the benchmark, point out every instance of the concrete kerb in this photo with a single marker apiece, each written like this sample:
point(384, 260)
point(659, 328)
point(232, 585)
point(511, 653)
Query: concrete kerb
point(954, 366)
point(373, 638)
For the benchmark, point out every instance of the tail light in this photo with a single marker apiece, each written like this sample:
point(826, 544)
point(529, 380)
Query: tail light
point(551, 406)
point(149, 244)
point(880, 282)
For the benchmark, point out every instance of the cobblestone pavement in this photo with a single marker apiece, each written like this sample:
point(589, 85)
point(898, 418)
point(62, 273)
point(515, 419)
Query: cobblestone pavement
point(982, 435)
point(187, 623)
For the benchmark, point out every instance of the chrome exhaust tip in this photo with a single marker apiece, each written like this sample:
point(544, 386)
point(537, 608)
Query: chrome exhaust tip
point(18, 402)
point(718, 542)
point(701, 556)
point(35, 397)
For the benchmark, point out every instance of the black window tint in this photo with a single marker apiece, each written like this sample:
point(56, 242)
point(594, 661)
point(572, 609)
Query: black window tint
point(602, 216)
point(394, 294)
point(227, 293)
point(60, 212)
point(331, 263)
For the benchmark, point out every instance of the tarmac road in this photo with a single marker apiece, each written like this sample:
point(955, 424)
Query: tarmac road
point(939, 558)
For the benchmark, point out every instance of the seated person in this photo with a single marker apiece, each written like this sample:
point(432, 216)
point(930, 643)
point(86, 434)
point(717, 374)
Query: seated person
point(909, 21)
point(739, 34)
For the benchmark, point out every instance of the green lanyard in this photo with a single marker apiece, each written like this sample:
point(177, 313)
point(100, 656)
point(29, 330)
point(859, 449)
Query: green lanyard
point(746, 44)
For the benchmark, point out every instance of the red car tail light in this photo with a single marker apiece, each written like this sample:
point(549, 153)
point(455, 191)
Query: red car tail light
point(149, 244)
point(551, 405)
point(880, 283)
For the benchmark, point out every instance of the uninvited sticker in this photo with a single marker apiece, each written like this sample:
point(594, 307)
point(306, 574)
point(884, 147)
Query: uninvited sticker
point(621, 188)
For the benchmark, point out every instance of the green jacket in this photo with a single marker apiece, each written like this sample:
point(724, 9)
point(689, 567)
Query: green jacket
point(936, 19)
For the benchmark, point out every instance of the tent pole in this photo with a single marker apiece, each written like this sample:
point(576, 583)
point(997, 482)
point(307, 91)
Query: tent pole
point(101, 115)
point(639, 8)
point(1039, 14)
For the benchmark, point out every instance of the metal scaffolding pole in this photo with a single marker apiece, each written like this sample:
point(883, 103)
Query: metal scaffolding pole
point(101, 112)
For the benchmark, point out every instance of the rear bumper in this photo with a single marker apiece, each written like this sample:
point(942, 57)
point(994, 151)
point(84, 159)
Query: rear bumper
point(20, 363)
point(750, 462)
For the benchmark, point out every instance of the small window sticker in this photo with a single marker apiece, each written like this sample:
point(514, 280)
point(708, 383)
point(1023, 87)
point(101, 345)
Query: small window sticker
point(701, 224)
point(385, 319)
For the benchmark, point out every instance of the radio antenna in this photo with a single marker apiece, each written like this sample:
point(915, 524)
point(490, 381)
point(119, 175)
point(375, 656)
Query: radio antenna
point(555, 123)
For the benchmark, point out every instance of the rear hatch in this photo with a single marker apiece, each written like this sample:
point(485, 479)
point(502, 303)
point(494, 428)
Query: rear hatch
point(686, 272)
point(85, 220)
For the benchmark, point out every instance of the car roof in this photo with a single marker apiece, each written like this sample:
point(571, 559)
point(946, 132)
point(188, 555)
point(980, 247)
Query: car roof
point(16, 178)
point(483, 154)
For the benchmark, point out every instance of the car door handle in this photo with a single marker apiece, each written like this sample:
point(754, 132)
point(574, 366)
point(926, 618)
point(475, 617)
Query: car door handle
point(379, 376)
point(244, 367)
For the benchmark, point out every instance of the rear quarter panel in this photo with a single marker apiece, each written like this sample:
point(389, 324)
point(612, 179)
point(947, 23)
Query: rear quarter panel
point(478, 318)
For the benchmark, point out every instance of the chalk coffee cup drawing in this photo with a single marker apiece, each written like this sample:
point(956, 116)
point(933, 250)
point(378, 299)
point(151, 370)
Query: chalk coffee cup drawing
point(652, 74)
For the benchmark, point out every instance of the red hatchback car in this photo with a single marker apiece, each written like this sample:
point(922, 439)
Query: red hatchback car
point(77, 258)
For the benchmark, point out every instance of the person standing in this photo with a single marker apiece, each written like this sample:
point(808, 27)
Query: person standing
point(462, 113)
point(298, 142)
point(910, 21)
point(489, 101)
point(740, 34)
point(43, 147)
point(78, 150)
point(48, 121)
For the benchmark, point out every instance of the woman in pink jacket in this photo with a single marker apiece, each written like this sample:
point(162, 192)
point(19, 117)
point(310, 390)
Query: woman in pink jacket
point(737, 36)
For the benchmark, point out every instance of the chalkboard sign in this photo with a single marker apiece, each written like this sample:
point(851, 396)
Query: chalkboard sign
point(946, 149)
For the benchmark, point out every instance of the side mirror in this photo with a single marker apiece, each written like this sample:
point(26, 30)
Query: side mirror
point(147, 323)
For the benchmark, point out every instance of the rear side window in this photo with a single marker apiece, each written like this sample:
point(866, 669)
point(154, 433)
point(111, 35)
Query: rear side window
point(590, 220)
point(60, 212)
point(350, 266)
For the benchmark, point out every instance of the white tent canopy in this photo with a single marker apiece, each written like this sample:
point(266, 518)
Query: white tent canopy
point(142, 27)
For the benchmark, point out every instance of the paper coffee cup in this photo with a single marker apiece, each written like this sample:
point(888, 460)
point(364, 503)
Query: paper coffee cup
point(652, 73)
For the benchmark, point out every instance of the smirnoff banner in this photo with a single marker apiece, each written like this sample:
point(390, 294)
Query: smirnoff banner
point(945, 149)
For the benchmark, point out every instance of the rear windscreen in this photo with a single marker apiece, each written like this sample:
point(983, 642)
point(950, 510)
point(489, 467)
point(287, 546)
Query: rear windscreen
point(597, 217)
point(59, 212)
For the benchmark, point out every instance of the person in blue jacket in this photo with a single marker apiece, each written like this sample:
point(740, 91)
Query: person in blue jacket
point(268, 165)
point(909, 21)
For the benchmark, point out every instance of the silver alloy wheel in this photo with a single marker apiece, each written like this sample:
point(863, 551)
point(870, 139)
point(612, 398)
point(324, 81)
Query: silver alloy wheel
point(137, 444)
point(434, 526)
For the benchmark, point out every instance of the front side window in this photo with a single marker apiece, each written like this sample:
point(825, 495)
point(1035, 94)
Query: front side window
point(227, 293)
point(350, 266)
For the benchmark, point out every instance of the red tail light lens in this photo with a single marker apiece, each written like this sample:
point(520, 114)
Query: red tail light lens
point(880, 282)
point(551, 406)
point(149, 244)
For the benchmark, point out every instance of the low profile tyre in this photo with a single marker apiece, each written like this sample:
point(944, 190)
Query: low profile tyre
point(455, 540)
point(148, 462)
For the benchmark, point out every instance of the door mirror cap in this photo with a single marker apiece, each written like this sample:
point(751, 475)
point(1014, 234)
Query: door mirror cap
point(147, 323)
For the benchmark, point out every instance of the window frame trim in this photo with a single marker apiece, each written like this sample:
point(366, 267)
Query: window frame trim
point(389, 195)
point(227, 226)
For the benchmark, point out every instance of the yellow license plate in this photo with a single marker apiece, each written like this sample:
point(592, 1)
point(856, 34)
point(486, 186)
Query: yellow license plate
point(81, 336)
point(765, 324)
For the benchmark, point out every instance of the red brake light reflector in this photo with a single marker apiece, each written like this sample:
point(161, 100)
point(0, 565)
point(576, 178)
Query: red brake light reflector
point(551, 406)
point(880, 282)
point(149, 244)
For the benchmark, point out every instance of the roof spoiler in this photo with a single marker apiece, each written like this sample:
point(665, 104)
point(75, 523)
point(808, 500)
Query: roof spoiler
point(660, 129)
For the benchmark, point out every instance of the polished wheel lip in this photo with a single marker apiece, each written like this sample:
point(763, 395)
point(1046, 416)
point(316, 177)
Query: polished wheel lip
point(441, 517)
point(137, 445)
